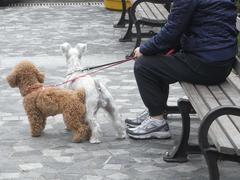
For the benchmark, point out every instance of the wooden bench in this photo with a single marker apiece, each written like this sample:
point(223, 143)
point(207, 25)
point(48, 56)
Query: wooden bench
point(153, 13)
point(218, 107)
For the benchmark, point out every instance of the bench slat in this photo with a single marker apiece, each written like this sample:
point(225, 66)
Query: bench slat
point(141, 13)
point(234, 79)
point(226, 123)
point(212, 103)
point(190, 91)
point(237, 65)
point(162, 10)
point(222, 144)
point(233, 94)
point(155, 11)
point(147, 11)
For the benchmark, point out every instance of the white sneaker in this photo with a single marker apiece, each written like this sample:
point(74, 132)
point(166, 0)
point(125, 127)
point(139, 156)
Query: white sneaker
point(150, 128)
point(134, 122)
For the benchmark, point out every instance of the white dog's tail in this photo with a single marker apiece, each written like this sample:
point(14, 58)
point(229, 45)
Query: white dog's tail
point(81, 95)
point(105, 95)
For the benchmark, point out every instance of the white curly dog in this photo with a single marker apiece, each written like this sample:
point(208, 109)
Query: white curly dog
point(97, 95)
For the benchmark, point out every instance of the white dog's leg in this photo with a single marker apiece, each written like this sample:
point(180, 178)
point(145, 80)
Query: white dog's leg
point(109, 105)
point(116, 120)
point(96, 131)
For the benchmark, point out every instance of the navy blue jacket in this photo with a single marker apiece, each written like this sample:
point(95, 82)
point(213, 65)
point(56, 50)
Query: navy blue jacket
point(205, 28)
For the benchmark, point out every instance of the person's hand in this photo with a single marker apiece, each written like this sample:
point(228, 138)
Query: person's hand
point(137, 53)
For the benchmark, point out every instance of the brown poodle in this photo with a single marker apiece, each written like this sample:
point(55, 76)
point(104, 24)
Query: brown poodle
point(41, 102)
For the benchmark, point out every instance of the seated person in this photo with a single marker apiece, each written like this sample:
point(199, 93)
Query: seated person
point(206, 32)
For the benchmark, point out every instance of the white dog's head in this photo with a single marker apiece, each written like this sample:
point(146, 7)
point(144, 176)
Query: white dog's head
point(73, 54)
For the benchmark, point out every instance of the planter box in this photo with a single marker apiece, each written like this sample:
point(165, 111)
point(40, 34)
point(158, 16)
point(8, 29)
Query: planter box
point(115, 4)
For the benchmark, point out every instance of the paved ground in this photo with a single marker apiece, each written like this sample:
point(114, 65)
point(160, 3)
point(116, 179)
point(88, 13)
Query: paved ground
point(35, 34)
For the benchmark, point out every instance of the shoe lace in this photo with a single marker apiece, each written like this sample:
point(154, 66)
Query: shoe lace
point(139, 116)
point(144, 123)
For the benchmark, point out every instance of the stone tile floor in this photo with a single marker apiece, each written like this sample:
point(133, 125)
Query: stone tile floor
point(35, 33)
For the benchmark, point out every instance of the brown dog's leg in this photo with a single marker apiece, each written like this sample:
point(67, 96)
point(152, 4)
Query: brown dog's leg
point(82, 133)
point(37, 123)
point(67, 128)
point(75, 122)
point(74, 117)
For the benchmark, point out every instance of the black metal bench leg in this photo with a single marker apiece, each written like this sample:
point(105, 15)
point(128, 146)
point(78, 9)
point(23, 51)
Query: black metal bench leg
point(138, 30)
point(211, 154)
point(122, 21)
point(211, 158)
point(129, 35)
point(138, 34)
point(180, 152)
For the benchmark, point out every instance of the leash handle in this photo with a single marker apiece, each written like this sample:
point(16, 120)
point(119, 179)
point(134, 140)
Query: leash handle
point(170, 52)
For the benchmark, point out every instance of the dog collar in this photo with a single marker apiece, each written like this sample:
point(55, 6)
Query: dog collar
point(31, 89)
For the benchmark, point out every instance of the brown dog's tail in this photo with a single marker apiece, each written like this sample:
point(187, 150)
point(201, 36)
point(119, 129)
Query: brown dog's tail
point(81, 95)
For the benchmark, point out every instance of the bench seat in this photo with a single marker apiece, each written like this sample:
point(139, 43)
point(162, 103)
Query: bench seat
point(225, 131)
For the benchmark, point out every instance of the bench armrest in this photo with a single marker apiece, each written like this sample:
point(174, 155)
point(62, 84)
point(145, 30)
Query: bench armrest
point(210, 117)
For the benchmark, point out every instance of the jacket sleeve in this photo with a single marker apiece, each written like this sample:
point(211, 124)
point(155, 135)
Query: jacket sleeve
point(169, 35)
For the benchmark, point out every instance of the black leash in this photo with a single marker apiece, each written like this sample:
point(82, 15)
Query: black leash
point(102, 65)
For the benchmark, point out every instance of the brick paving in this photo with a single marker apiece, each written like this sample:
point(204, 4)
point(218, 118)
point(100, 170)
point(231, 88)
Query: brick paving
point(35, 33)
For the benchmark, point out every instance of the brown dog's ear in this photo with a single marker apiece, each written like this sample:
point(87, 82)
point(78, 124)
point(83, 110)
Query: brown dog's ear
point(12, 79)
point(40, 76)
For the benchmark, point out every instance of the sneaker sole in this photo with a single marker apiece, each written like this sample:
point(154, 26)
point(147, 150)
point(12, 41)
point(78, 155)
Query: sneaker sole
point(153, 135)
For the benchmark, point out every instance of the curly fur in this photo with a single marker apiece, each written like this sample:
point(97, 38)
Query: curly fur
point(41, 102)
